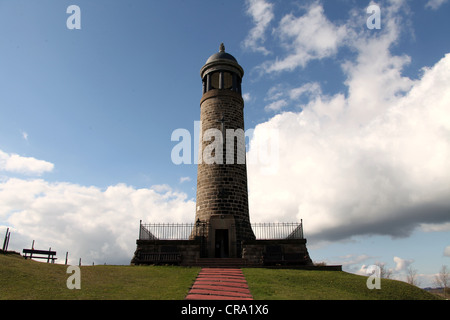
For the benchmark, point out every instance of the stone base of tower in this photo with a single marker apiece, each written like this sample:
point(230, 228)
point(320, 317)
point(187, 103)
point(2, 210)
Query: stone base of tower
point(167, 252)
point(222, 237)
point(253, 253)
point(283, 252)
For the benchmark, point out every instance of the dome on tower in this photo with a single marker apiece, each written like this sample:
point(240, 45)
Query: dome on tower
point(222, 71)
point(221, 55)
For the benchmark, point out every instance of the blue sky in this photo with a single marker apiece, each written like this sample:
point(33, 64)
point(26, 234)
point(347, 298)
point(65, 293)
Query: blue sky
point(363, 117)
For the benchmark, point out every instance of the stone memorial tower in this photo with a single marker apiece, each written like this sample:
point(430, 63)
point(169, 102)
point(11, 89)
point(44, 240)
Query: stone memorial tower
point(222, 226)
point(222, 195)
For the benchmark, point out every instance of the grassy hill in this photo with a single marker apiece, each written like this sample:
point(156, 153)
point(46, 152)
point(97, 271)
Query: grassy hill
point(26, 279)
point(271, 284)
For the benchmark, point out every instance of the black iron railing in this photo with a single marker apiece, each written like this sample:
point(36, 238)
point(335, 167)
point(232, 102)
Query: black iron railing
point(186, 231)
point(277, 231)
point(166, 231)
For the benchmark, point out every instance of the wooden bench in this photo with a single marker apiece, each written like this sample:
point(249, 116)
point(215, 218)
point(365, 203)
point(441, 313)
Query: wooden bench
point(41, 254)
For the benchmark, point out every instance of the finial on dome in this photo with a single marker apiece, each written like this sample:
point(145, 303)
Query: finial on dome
point(222, 48)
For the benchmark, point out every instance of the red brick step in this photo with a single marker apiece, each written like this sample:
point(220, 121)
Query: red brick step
point(220, 284)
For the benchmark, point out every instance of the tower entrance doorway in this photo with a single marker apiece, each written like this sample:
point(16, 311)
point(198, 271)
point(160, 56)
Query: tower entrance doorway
point(222, 249)
point(222, 236)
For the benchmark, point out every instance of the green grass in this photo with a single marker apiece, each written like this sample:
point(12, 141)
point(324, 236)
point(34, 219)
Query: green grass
point(26, 279)
point(272, 284)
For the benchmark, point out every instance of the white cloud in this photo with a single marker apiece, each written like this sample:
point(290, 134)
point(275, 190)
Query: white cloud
point(24, 165)
point(184, 179)
point(311, 36)
point(86, 220)
point(313, 89)
point(435, 4)
point(447, 251)
point(261, 12)
point(247, 97)
point(281, 96)
point(435, 227)
point(276, 105)
point(364, 270)
point(401, 264)
point(373, 161)
point(351, 263)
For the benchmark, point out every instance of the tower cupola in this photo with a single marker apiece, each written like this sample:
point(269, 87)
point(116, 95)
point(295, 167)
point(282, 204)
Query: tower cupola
point(222, 71)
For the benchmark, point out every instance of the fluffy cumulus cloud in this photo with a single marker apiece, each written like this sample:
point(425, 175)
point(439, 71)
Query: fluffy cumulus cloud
point(402, 264)
point(90, 223)
point(15, 163)
point(373, 160)
point(310, 36)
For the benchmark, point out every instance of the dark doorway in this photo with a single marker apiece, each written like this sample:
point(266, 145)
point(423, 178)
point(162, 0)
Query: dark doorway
point(221, 245)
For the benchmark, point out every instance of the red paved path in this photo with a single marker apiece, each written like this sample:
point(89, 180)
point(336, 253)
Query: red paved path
point(220, 284)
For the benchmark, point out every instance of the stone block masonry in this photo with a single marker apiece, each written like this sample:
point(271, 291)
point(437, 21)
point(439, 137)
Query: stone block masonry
point(222, 189)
